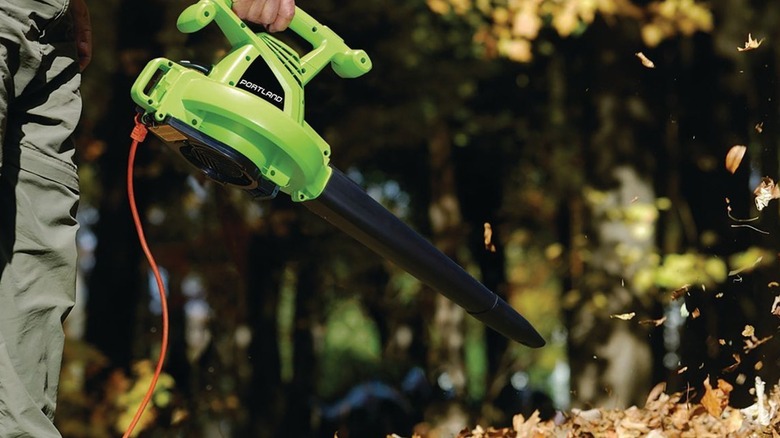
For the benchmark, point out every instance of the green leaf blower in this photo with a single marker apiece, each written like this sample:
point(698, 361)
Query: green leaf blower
point(241, 122)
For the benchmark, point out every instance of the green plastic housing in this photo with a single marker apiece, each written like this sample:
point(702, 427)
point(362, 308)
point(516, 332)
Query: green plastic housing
point(279, 142)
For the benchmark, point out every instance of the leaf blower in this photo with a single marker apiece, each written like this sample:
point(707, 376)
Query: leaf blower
point(241, 122)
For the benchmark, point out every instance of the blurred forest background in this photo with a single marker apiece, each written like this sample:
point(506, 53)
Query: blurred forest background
point(614, 225)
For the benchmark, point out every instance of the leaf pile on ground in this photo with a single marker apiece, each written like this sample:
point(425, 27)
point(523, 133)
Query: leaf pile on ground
point(664, 415)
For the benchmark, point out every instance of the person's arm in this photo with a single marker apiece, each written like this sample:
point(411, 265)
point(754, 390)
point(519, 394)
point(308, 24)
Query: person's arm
point(275, 15)
point(83, 29)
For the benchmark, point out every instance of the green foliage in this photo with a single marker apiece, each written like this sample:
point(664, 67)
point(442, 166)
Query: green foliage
point(85, 413)
point(750, 259)
point(350, 349)
point(678, 270)
point(128, 401)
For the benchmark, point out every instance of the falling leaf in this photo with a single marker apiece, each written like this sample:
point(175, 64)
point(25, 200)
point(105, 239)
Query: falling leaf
point(677, 293)
point(744, 268)
point(759, 127)
point(682, 370)
point(776, 306)
point(748, 331)
point(754, 342)
point(645, 60)
point(765, 192)
point(751, 44)
point(654, 322)
point(732, 367)
point(488, 233)
point(696, 313)
point(734, 157)
point(773, 284)
point(715, 400)
point(722, 341)
point(758, 365)
point(624, 316)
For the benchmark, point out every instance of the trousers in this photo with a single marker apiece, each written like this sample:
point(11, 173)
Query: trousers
point(40, 106)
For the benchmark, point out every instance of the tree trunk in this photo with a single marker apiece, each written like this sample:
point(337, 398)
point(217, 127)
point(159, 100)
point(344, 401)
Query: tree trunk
point(611, 360)
point(447, 339)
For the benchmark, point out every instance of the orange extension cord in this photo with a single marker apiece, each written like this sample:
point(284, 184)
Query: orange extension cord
point(138, 135)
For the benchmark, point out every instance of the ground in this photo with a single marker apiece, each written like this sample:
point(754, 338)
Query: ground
point(664, 415)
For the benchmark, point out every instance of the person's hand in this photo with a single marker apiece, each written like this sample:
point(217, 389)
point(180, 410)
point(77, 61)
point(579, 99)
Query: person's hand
point(275, 15)
point(83, 29)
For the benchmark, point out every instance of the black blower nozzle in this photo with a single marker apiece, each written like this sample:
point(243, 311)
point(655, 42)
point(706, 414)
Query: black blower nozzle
point(348, 207)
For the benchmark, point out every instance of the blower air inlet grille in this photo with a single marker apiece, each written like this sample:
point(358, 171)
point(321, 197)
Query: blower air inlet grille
point(215, 159)
point(216, 165)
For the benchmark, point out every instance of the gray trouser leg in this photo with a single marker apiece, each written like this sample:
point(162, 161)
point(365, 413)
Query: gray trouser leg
point(39, 109)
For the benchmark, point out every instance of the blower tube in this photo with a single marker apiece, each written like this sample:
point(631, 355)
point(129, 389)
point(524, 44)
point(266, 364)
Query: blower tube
point(348, 207)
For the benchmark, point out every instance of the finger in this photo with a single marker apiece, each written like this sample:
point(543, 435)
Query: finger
point(264, 12)
point(284, 16)
point(241, 8)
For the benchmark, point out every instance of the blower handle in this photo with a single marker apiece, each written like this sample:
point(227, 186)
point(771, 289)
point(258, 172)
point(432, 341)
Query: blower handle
point(328, 47)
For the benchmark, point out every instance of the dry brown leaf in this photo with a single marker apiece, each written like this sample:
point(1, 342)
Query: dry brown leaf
point(758, 365)
point(624, 316)
point(776, 306)
point(722, 341)
point(773, 284)
point(525, 427)
point(677, 293)
point(765, 192)
point(654, 322)
point(754, 342)
point(732, 367)
point(655, 393)
point(715, 400)
point(759, 127)
point(645, 60)
point(696, 313)
point(734, 421)
point(750, 44)
point(748, 331)
point(682, 370)
point(734, 157)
